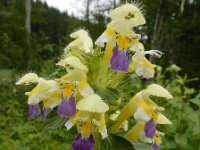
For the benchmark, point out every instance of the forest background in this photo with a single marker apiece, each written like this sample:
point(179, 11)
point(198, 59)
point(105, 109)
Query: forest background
point(173, 27)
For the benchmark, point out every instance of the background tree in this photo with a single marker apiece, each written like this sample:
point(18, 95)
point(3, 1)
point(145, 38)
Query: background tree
point(28, 18)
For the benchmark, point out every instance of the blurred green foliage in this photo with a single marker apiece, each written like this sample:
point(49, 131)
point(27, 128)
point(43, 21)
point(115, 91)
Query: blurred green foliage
point(167, 29)
point(178, 38)
point(17, 131)
point(183, 110)
point(20, 132)
point(50, 34)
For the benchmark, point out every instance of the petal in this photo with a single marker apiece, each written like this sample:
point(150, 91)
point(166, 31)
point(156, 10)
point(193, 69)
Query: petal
point(104, 132)
point(162, 119)
point(119, 60)
point(123, 42)
point(84, 88)
point(124, 125)
point(145, 139)
point(150, 128)
point(135, 132)
point(83, 143)
point(67, 107)
point(73, 61)
point(82, 41)
point(114, 116)
point(144, 72)
point(67, 90)
point(128, 110)
point(102, 127)
point(154, 53)
point(73, 76)
point(92, 103)
point(34, 111)
point(52, 100)
point(155, 146)
point(157, 90)
point(45, 113)
point(102, 40)
point(127, 16)
point(86, 91)
point(35, 98)
point(142, 66)
point(141, 115)
point(27, 79)
point(69, 124)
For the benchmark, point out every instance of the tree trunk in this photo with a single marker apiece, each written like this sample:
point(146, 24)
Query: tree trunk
point(114, 3)
point(87, 15)
point(157, 27)
point(28, 18)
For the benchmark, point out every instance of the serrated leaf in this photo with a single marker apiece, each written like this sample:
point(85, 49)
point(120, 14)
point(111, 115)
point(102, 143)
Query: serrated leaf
point(110, 95)
point(195, 101)
point(141, 146)
point(53, 122)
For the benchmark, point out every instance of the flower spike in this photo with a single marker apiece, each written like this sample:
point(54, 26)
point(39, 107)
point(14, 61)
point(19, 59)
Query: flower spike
point(92, 76)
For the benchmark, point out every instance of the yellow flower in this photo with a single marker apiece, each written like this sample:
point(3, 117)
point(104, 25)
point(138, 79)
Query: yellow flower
point(123, 40)
point(145, 111)
point(142, 107)
point(117, 47)
point(81, 42)
point(142, 66)
point(90, 116)
point(76, 75)
point(137, 133)
point(47, 91)
point(75, 68)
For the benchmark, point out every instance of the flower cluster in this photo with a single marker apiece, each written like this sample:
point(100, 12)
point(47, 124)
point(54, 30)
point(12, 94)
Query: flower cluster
point(76, 96)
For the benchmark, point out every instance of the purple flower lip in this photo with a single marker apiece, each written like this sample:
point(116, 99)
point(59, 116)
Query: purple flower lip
point(155, 146)
point(67, 107)
point(150, 129)
point(119, 60)
point(34, 111)
point(81, 143)
point(45, 113)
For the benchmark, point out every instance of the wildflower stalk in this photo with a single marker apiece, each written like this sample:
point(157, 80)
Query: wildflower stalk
point(92, 94)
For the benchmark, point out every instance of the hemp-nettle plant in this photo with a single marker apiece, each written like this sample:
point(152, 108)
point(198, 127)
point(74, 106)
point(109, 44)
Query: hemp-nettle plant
point(96, 94)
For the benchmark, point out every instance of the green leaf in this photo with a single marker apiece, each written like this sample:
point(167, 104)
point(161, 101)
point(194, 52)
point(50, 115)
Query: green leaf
point(189, 91)
point(114, 142)
point(141, 146)
point(110, 95)
point(52, 122)
point(196, 100)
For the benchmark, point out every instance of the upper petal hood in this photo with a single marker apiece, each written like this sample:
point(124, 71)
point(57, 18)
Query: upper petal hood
point(127, 15)
point(82, 41)
point(92, 103)
point(27, 79)
point(156, 90)
point(74, 62)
